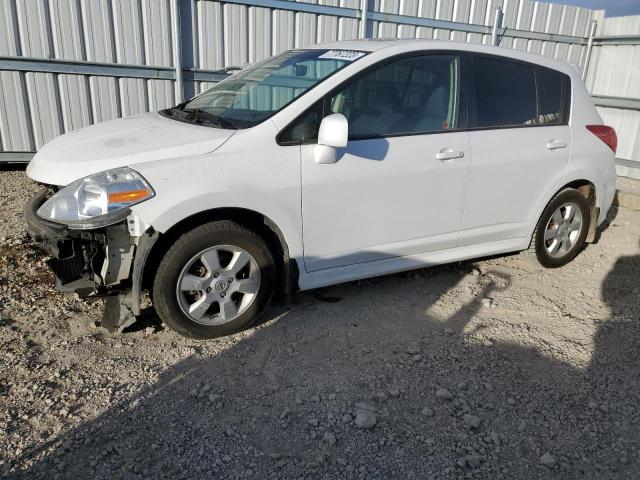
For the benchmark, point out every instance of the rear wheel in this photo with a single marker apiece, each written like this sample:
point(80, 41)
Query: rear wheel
point(561, 230)
point(214, 281)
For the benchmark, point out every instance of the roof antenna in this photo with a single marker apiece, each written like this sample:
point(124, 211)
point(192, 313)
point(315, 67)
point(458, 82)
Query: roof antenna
point(497, 24)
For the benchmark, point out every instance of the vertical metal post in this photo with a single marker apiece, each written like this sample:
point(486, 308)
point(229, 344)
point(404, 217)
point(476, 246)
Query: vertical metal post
point(587, 58)
point(177, 51)
point(497, 24)
point(364, 8)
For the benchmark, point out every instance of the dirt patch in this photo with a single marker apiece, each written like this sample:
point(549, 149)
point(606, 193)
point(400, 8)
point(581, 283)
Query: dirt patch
point(491, 369)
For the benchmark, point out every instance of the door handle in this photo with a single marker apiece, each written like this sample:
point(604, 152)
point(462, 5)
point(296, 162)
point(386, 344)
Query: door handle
point(449, 154)
point(556, 144)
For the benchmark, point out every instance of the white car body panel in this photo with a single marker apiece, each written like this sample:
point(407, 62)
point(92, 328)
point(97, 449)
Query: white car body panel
point(380, 194)
point(350, 273)
point(520, 170)
point(147, 137)
point(187, 186)
point(361, 216)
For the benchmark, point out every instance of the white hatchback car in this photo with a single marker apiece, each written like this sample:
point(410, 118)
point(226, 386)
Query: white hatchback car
point(319, 166)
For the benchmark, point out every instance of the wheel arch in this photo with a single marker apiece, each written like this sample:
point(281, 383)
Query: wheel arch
point(257, 222)
point(584, 186)
point(589, 190)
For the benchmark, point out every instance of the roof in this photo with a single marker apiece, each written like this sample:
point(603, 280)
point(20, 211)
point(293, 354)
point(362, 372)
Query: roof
point(394, 46)
point(366, 45)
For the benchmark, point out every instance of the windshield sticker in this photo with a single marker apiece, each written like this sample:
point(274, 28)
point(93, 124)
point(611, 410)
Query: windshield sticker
point(347, 55)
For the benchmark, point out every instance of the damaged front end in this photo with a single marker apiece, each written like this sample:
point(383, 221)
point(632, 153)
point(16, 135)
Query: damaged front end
point(101, 262)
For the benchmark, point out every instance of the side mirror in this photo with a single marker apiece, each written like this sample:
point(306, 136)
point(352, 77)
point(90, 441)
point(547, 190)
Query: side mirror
point(334, 133)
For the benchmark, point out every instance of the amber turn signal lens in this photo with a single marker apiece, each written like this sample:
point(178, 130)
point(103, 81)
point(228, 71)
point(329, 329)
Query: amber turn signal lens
point(129, 197)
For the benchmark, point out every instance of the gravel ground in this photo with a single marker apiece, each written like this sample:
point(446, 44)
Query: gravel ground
point(486, 370)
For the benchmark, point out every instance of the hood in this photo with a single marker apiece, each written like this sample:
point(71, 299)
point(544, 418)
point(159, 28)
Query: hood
point(118, 143)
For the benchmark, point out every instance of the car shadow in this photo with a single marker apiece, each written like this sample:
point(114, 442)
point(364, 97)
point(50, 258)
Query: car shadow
point(371, 149)
point(280, 402)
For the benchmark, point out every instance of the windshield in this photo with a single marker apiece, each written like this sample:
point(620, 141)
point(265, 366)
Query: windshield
point(256, 93)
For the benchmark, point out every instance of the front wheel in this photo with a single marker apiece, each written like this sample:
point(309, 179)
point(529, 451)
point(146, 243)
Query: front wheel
point(214, 280)
point(561, 230)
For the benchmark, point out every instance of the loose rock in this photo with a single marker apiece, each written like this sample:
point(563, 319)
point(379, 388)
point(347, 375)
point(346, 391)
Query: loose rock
point(548, 459)
point(471, 420)
point(365, 415)
point(443, 394)
point(427, 411)
point(329, 438)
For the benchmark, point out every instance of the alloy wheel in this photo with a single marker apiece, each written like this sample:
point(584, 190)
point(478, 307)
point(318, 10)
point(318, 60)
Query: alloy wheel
point(218, 285)
point(563, 230)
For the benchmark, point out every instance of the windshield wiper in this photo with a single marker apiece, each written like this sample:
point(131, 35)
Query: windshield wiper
point(200, 116)
point(209, 117)
point(173, 111)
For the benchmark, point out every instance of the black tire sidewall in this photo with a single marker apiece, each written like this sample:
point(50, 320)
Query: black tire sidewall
point(569, 195)
point(183, 250)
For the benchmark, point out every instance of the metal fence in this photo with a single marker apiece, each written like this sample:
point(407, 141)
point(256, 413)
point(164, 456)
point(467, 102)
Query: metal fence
point(614, 81)
point(65, 64)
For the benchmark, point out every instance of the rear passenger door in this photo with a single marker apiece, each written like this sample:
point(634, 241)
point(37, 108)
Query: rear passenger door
point(520, 145)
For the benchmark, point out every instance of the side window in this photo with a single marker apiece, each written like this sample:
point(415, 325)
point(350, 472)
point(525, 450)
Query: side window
point(304, 129)
point(411, 95)
point(505, 93)
point(553, 96)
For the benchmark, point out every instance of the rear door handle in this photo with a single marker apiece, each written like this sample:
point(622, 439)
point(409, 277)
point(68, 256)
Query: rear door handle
point(449, 154)
point(556, 144)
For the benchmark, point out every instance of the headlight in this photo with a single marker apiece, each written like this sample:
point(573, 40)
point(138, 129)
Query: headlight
point(97, 200)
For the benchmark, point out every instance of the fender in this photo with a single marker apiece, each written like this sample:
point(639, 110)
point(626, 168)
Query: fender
point(145, 245)
point(582, 175)
point(254, 220)
point(245, 173)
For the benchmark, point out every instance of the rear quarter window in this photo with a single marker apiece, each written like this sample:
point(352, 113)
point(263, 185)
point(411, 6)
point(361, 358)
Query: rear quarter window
point(516, 94)
point(554, 95)
point(505, 93)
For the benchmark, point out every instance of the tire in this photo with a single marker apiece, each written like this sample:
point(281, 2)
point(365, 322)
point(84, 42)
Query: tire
point(207, 310)
point(541, 250)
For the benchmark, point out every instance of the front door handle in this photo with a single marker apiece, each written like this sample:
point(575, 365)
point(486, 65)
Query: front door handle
point(449, 154)
point(556, 144)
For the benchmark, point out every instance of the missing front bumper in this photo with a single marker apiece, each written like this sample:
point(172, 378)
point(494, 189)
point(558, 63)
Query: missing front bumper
point(104, 262)
point(88, 262)
point(72, 266)
point(74, 254)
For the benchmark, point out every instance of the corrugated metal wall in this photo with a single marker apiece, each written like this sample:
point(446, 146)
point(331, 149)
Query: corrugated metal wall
point(615, 72)
point(35, 106)
point(234, 34)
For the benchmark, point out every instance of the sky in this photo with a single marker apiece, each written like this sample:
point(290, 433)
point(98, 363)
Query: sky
point(614, 8)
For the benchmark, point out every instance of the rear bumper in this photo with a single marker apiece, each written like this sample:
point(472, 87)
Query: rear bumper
point(608, 192)
point(76, 256)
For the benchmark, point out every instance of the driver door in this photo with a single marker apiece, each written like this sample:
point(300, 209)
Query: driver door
point(398, 187)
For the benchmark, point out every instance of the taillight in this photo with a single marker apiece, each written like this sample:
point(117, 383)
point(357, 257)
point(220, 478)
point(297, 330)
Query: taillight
point(606, 134)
